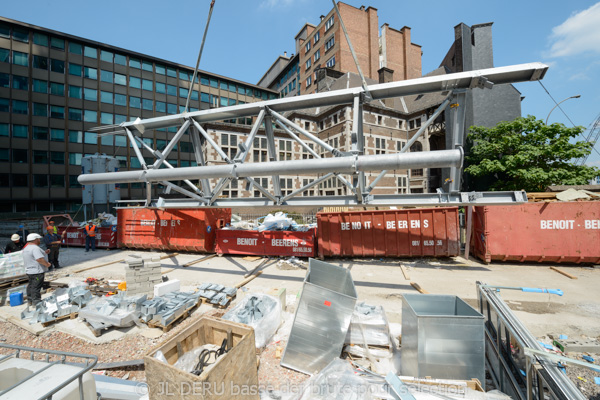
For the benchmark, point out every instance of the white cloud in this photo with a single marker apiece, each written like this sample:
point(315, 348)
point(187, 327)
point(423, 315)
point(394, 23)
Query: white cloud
point(581, 76)
point(275, 3)
point(580, 33)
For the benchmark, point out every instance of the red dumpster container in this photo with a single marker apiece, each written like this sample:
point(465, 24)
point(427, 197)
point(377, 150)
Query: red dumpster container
point(389, 233)
point(266, 243)
point(185, 229)
point(106, 237)
point(557, 232)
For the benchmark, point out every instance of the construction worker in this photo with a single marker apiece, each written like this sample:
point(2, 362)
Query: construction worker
point(90, 236)
point(23, 233)
point(55, 229)
point(14, 244)
point(52, 242)
point(36, 266)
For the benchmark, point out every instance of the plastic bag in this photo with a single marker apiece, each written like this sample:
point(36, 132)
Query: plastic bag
point(189, 359)
point(260, 311)
point(368, 325)
point(279, 221)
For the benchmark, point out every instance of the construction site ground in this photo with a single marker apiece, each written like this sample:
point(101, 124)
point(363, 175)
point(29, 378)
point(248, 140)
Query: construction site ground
point(378, 282)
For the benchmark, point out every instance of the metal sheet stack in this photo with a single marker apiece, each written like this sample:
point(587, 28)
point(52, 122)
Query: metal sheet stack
point(61, 303)
point(162, 310)
point(216, 294)
point(141, 274)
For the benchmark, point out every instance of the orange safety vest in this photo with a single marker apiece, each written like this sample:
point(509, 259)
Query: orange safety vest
point(90, 230)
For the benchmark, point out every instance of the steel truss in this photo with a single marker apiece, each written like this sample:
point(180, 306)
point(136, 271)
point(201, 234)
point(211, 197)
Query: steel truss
point(352, 163)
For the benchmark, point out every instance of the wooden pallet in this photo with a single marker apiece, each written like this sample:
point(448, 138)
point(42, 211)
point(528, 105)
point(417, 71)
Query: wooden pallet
point(220, 307)
point(73, 315)
point(169, 326)
point(97, 331)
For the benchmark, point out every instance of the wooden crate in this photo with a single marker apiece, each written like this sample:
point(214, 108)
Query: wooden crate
point(233, 376)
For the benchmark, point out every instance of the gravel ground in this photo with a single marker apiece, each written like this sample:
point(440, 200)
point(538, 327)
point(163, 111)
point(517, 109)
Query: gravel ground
point(586, 384)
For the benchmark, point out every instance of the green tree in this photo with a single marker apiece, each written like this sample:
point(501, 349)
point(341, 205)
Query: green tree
point(526, 154)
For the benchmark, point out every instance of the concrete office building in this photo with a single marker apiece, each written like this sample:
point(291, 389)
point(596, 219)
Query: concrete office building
point(55, 87)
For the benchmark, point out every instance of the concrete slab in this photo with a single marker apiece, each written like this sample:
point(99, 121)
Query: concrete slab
point(78, 328)
point(13, 315)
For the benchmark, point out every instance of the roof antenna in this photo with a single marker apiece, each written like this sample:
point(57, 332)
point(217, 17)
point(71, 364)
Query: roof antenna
point(362, 77)
point(187, 102)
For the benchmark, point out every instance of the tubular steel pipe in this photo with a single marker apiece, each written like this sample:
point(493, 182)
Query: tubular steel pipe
point(340, 165)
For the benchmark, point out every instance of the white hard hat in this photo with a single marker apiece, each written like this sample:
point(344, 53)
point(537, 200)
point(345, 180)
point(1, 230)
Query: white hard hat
point(33, 236)
point(15, 237)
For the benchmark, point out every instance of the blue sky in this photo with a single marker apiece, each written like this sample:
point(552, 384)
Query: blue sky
point(246, 36)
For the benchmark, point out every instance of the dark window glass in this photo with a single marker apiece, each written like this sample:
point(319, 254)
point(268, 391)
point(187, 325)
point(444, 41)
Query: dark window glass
point(57, 66)
point(40, 109)
point(57, 43)
point(57, 181)
point(21, 35)
point(20, 180)
point(171, 72)
point(134, 102)
point(4, 156)
point(75, 48)
point(147, 66)
point(75, 114)
point(171, 109)
point(90, 94)
point(147, 104)
point(204, 80)
point(183, 92)
point(75, 69)
point(90, 52)
point(161, 107)
point(40, 180)
point(107, 140)
point(90, 73)
point(40, 39)
point(57, 112)
point(185, 147)
point(214, 83)
point(232, 88)
point(20, 82)
point(20, 107)
point(120, 99)
point(120, 141)
point(4, 105)
point(40, 133)
point(20, 131)
point(57, 157)
point(90, 116)
point(73, 183)
point(20, 58)
point(40, 86)
point(160, 69)
point(172, 90)
point(19, 156)
point(4, 55)
point(184, 76)
point(120, 59)
point(134, 63)
point(135, 82)
point(194, 95)
point(4, 130)
point(224, 85)
point(57, 89)
point(57, 135)
point(204, 97)
point(75, 92)
point(147, 85)
point(106, 56)
point(241, 90)
point(75, 137)
point(106, 76)
point(161, 87)
point(161, 144)
point(40, 62)
point(40, 157)
point(106, 97)
point(120, 79)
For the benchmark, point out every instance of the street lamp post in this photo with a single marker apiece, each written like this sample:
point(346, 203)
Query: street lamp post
point(572, 97)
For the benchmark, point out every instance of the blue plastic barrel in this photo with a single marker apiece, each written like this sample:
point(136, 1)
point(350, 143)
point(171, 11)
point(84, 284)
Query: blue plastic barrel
point(16, 299)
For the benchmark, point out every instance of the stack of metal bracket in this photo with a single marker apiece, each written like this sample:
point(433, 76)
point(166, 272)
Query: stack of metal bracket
point(61, 303)
point(165, 309)
point(216, 294)
point(119, 310)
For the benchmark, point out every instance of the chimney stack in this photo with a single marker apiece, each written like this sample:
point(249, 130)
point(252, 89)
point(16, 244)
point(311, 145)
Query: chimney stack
point(386, 75)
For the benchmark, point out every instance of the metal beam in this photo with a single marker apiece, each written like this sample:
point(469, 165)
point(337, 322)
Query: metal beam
point(211, 141)
point(245, 148)
point(341, 165)
point(197, 143)
point(172, 144)
point(439, 83)
point(136, 149)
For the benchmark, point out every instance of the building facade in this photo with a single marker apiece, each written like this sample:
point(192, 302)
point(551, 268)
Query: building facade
point(55, 87)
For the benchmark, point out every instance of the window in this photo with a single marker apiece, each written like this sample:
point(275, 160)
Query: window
point(161, 88)
point(90, 52)
point(147, 66)
point(411, 124)
point(4, 130)
point(4, 80)
point(90, 116)
point(330, 43)
point(106, 76)
point(75, 114)
point(75, 69)
point(161, 106)
point(160, 69)
point(135, 82)
point(40, 62)
point(120, 79)
point(75, 48)
point(379, 120)
point(57, 66)
point(57, 181)
point(135, 63)
point(107, 140)
point(402, 184)
point(90, 138)
point(317, 36)
point(171, 72)
point(40, 38)
point(417, 146)
point(57, 135)
point(171, 108)
point(57, 89)
point(4, 157)
point(172, 90)
point(75, 92)
point(75, 159)
point(195, 95)
point(317, 55)
point(40, 157)
point(183, 92)
point(147, 85)
point(19, 156)
point(418, 121)
point(20, 131)
point(4, 31)
point(307, 46)
point(106, 56)
point(73, 183)
point(214, 83)
point(4, 105)
point(20, 180)
point(106, 118)
point(20, 82)
point(57, 157)
point(40, 109)
point(120, 119)
point(40, 133)
point(57, 112)
point(308, 81)
point(106, 97)
point(75, 137)
point(20, 107)
point(308, 63)
point(134, 102)
point(329, 23)
point(331, 62)
point(120, 99)
point(20, 58)
point(90, 73)
point(147, 104)
point(90, 94)
point(4, 55)
point(21, 35)
point(184, 76)
point(120, 59)
point(204, 97)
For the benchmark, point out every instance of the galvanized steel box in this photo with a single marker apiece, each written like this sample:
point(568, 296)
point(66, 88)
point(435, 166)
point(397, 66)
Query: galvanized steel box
point(442, 337)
